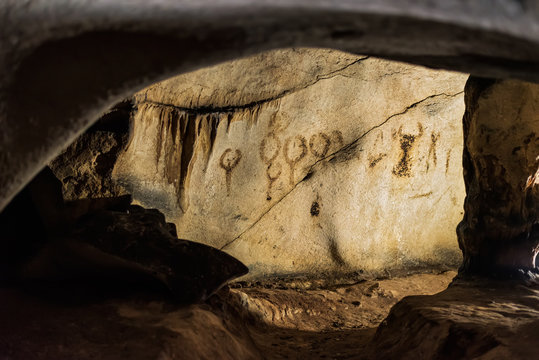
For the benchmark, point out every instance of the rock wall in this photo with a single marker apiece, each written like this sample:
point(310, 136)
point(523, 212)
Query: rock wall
point(305, 161)
point(501, 169)
point(85, 166)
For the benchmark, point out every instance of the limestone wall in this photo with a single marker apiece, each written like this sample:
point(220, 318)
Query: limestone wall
point(500, 230)
point(305, 161)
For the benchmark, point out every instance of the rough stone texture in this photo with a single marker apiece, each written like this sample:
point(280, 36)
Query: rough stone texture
point(134, 248)
point(477, 320)
point(361, 305)
point(336, 164)
point(103, 244)
point(85, 167)
point(24, 223)
point(501, 172)
point(243, 323)
point(62, 63)
point(332, 323)
point(33, 328)
point(248, 82)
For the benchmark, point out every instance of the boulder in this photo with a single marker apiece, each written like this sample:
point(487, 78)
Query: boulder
point(470, 320)
point(99, 245)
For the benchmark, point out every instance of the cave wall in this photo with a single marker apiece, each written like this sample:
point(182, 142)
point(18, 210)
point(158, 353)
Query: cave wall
point(500, 229)
point(96, 53)
point(305, 161)
point(85, 167)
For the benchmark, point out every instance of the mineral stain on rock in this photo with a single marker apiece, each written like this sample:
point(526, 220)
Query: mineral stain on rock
point(335, 252)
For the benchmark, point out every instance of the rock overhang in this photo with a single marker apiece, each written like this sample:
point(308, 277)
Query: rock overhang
point(490, 39)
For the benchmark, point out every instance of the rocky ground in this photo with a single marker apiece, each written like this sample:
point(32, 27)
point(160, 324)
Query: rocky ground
point(272, 321)
point(473, 319)
point(330, 323)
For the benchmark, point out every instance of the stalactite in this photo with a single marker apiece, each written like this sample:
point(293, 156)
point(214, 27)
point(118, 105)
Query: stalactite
point(177, 139)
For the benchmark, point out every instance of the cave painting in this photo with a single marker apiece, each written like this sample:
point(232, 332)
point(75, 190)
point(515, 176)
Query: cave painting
point(337, 134)
point(404, 166)
point(319, 145)
point(434, 137)
point(273, 172)
point(374, 159)
point(270, 148)
point(295, 149)
point(447, 161)
point(229, 160)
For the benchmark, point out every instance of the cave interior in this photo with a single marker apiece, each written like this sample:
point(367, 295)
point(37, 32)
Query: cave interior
point(291, 181)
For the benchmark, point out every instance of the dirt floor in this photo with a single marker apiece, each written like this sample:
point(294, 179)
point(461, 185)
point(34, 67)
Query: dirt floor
point(255, 322)
point(334, 323)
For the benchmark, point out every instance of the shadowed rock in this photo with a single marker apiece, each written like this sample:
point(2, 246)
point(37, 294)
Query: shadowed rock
point(479, 320)
point(500, 229)
point(139, 240)
point(104, 244)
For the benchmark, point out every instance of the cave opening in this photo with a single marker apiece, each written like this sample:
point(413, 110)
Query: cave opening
point(315, 168)
point(319, 191)
point(317, 188)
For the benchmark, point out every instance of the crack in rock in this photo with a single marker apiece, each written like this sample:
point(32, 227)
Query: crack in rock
point(232, 108)
point(346, 148)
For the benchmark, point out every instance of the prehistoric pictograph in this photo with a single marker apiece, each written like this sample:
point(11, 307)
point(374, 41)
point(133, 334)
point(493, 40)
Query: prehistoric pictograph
point(404, 166)
point(434, 137)
point(270, 148)
point(319, 145)
point(229, 160)
point(295, 149)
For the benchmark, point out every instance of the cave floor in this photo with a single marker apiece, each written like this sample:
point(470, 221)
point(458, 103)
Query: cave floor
point(239, 323)
point(335, 323)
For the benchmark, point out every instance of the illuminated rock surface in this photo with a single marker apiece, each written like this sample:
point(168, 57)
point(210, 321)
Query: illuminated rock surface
point(308, 162)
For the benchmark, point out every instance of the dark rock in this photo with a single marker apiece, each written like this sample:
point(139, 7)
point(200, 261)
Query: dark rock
point(134, 328)
point(104, 243)
point(85, 167)
point(479, 320)
point(500, 230)
point(25, 223)
point(135, 247)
